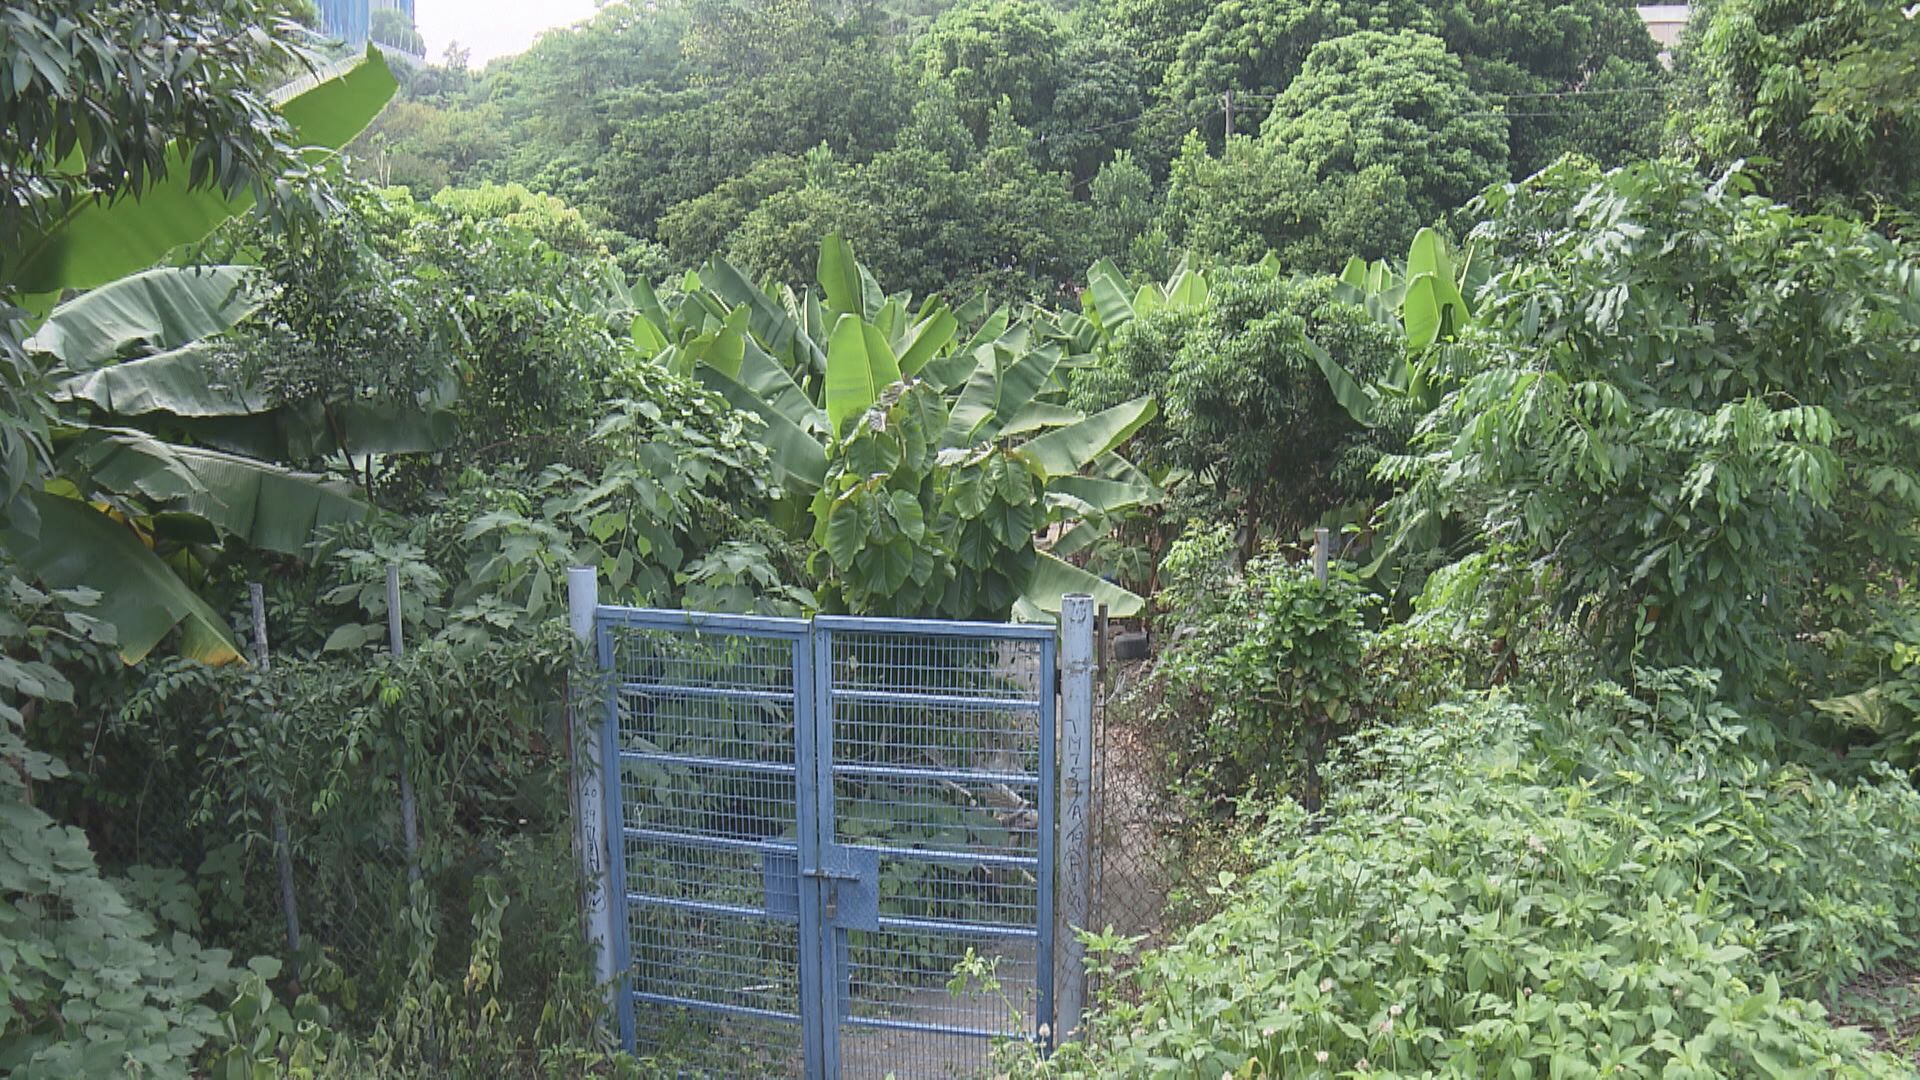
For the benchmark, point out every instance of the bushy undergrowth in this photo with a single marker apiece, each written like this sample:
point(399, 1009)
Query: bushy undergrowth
point(1509, 887)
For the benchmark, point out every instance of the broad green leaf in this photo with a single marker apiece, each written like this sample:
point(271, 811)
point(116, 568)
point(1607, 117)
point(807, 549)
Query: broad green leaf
point(839, 277)
point(724, 347)
point(1054, 578)
point(97, 242)
point(1108, 291)
point(159, 309)
point(1355, 273)
point(925, 339)
point(794, 450)
point(769, 380)
point(996, 393)
point(1078, 539)
point(647, 336)
point(1346, 389)
point(1428, 255)
point(1421, 312)
point(1067, 450)
point(267, 506)
point(860, 364)
point(1040, 415)
point(1106, 495)
point(183, 382)
point(767, 321)
point(80, 547)
point(1188, 291)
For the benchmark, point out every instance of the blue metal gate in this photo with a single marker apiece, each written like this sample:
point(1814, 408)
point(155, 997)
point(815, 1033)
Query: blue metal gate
point(810, 823)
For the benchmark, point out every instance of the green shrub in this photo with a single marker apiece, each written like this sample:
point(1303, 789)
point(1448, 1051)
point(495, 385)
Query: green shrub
point(1688, 410)
point(1504, 893)
point(1245, 406)
point(1261, 679)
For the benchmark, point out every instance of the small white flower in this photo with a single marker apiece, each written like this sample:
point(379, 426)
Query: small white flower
point(1320, 1056)
point(1395, 1010)
point(1326, 986)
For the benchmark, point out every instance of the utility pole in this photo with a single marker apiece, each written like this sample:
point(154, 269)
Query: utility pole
point(1226, 100)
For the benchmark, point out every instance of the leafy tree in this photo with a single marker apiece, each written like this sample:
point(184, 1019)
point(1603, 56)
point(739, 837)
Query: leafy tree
point(1125, 216)
point(1691, 413)
point(1154, 31)
point(425, 147)
point(1245, 406)
point(1540, 46)
point(1380, 135)
point(1400, 101)
point(110, 83)
point(991, 51)
point(1095, 103)
point(1788, 81)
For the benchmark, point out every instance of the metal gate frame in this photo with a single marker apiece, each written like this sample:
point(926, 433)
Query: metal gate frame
point(835, 884)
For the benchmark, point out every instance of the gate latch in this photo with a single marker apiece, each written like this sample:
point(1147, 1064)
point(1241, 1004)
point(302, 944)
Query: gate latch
point(852, 875)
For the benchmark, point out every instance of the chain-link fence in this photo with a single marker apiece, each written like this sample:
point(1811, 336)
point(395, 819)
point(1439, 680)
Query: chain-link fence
point(1133, 858)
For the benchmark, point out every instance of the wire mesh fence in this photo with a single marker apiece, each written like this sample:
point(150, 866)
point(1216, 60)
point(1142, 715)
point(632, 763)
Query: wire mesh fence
point(1133, 859)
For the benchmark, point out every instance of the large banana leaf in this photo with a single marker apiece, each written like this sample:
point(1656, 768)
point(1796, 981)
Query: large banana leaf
point(1356, 399)
point(849, 289)
point(96, 242)
point(860, 364)
point(79, 547)
point(1108, 291)
point(1433, 307)
point(160, 309)
point(305, 429)
point(267, 506)
point(1106, 495)
point(1423, 311)
point(773, 326)
point(1054, 578)
point(997, 393)
point(1067, 450)
point(1188, 291)
point(924, 340)
point(795, 450)
point(182, 382)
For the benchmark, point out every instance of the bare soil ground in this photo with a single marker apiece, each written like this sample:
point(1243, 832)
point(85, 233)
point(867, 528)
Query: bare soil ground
point(1886, 1004)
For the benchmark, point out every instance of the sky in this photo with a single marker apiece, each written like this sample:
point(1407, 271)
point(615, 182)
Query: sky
point(492, 28)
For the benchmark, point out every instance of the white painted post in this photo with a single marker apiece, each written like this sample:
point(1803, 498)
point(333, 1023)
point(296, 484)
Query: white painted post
point(583, 598)
point(409, 808)
point(1321, 543)
point(1074, 853)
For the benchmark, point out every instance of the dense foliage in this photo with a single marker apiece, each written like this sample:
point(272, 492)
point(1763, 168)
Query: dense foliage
point(1592, 752)
point(959, 147)
point(1748, 449)
point(1608, 886)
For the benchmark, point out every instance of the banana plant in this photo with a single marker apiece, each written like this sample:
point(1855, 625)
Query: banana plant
point(817, 365)
point(1110, 303)
point(1425, 302)
point(124, 479)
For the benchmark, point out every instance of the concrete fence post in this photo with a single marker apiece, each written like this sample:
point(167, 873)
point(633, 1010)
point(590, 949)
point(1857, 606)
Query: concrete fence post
point(590, 811)
point(1075, 850)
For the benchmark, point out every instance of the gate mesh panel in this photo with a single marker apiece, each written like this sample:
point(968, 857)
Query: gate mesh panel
point(936, 763)
point(708, 792)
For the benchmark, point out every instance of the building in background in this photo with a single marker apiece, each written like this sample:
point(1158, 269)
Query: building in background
point(1665, 22)
point(356, 22)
